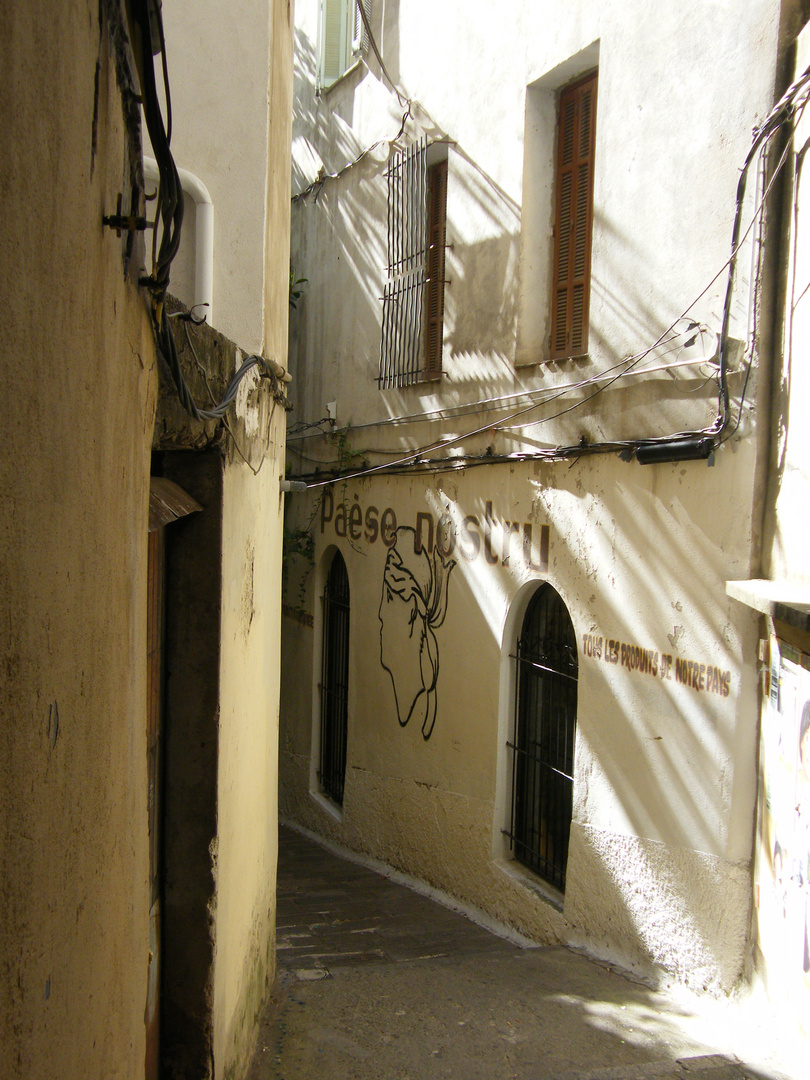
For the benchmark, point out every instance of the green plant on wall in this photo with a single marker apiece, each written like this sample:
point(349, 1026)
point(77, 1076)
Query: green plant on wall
point(295, 290)
point(299, 543)
point(348, 460)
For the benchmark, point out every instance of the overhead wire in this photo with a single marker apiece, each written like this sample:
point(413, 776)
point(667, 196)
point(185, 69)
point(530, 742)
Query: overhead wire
point(300, 430)
point(669, 368)
point(783, 112)
point(405, 103)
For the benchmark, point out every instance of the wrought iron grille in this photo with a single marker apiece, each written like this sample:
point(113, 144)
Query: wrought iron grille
point(543, 740)
point(402, 342)
point(335, 681)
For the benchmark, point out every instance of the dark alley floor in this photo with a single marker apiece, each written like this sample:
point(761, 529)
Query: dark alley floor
point(376, 981)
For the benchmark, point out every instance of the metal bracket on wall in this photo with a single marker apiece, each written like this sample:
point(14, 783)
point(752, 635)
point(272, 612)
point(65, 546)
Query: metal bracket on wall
point(125, 222)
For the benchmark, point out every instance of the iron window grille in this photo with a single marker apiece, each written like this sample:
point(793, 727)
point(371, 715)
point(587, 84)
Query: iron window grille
point(413, 296)
point(543, 739)
point(334, 685)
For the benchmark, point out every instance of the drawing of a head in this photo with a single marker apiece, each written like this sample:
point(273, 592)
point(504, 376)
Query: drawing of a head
point(412, 605)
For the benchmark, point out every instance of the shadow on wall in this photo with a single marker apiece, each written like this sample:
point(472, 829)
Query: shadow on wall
point(339, 245)
point(656, 771)
point(659, 751)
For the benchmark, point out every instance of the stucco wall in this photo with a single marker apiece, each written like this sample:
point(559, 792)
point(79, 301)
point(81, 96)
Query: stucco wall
point(221, 63)
point(664, 771)
point(781, 879)
point(665, 778)
point(247, 783)
point(79, 374)
point(789, 484)
point(251, 582)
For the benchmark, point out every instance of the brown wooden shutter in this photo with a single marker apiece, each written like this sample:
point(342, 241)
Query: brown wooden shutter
point(573, 220)
point(434, 287)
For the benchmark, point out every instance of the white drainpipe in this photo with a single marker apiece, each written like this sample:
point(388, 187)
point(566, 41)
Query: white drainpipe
point(204, 235)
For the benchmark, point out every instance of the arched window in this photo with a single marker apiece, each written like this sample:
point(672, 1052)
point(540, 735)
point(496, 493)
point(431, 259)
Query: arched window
point(335, 680)
point(543, 740)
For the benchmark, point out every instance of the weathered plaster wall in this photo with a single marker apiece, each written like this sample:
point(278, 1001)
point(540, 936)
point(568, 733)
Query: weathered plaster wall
point(221, 62)
point(665, 778)
point(232, 129)
point(781, 878)
point(78, 369)
point(789, 484)
point(251, 589)
point(661, 231)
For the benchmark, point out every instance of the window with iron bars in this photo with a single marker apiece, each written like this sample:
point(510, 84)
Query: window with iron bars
point(413, 298)
point(543, 739)
point(335, 681)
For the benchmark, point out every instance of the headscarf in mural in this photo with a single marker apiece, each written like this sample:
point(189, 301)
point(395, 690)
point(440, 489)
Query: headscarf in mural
point(413, 604)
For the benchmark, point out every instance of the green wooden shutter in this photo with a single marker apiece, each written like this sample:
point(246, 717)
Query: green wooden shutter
point(333, 41)
point(573, 219)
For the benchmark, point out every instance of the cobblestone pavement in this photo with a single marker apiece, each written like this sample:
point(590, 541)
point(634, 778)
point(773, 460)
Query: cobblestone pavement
point(376, 982)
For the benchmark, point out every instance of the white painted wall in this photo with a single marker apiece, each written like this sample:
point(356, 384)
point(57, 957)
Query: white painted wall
point(220, 70)
point(781, 879)
point(665, 785)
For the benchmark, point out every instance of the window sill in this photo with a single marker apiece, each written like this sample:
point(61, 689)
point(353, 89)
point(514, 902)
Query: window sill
point(324, 91)
point(542, 890)
point(325, 803)
point(418, 380)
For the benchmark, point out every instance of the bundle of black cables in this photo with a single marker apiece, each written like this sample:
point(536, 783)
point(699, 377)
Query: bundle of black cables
point(146, 32)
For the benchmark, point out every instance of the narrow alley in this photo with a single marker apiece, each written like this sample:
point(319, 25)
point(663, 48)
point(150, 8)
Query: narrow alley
point(377, 981)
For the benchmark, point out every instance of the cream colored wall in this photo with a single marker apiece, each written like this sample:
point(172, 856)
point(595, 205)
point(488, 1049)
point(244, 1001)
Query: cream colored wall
point(248, 761)
point(786, 547)
point(665, 782)
point(221, 68)
point(80, 384)
point(782, 896)
point(247, 792)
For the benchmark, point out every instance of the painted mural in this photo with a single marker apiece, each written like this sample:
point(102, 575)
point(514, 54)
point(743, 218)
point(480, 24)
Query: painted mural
point(413, 605)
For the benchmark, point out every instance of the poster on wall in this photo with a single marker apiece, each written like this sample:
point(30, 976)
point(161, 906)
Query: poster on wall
point(783, 876)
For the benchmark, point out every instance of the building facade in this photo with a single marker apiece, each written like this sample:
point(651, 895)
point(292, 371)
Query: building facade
point(136, 798)
point(531, 415)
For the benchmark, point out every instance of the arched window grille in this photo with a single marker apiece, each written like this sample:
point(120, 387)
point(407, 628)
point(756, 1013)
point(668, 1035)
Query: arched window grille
point(335, 681)
point(543, 739)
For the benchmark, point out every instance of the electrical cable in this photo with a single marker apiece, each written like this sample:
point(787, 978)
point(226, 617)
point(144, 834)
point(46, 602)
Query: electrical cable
point(405, 103)
point(502, 426)
point(301, 428)
point(169, 211)
point(784, 111)
point(321, 179)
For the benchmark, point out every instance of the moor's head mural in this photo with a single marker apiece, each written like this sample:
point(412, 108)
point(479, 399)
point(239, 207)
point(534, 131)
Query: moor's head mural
point(413, 604)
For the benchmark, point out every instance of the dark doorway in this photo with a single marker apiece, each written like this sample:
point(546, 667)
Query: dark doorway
point(543, 742)
point(335, 681)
